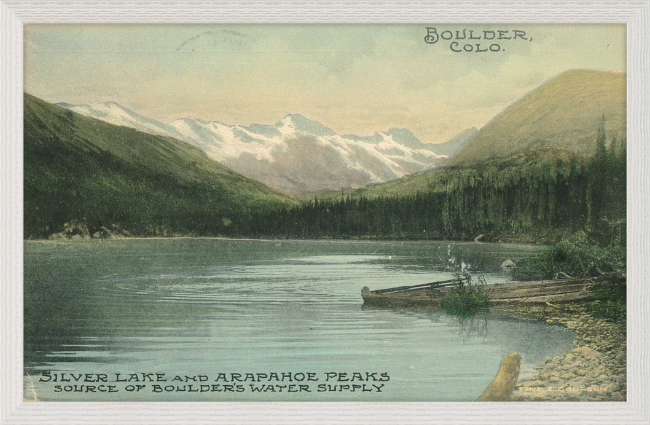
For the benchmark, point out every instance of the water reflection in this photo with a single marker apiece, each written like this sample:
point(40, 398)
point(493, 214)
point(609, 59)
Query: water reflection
point(474, 327)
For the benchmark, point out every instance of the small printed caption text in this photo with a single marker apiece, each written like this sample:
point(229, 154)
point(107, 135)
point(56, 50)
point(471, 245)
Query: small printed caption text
point(271, 382)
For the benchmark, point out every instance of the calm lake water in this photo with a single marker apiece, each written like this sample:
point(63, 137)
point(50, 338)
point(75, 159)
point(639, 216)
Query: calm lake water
point(191, 307)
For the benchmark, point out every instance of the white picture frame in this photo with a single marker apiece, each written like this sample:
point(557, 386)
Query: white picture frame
point(15, 13)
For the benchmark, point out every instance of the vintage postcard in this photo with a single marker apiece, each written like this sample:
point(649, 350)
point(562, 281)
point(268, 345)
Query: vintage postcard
point(325, 212)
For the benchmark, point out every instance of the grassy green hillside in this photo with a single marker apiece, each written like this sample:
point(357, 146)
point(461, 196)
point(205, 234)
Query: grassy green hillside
point(563, 113)
point(81, 170)
point(437, 180)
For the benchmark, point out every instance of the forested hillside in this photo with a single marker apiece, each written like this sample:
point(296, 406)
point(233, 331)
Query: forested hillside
point(94, 176)
point(545, 195)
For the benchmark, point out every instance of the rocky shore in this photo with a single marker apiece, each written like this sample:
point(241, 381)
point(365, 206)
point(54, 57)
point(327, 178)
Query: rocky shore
point(593, 370)
point(74, 231)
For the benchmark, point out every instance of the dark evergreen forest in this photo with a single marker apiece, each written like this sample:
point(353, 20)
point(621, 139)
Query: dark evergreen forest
point(544, 200)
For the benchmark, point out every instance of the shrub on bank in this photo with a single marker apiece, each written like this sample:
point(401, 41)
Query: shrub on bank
point(466, 298)
point(571, 261)
point(611, 302)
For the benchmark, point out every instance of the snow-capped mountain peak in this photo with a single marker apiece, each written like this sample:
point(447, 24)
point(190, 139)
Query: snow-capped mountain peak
point(298, 124)
point(116, 114)
point(405, 137)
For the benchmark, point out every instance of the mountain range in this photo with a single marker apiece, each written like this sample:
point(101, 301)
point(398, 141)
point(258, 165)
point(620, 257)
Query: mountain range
point(144, 175)
point(296, 155)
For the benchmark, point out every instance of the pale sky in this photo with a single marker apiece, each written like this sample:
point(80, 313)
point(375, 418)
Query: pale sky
point(351, 78)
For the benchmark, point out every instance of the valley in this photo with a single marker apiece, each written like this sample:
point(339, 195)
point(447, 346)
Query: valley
point(562, 181)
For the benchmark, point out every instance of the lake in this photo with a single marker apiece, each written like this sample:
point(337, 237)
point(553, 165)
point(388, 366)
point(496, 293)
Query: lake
point(205, 309)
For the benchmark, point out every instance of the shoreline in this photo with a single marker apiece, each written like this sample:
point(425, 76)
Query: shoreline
point(593, 370)
point(321, 240)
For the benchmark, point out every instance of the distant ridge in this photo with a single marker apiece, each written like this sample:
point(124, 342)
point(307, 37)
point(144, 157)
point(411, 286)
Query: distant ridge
point(562, 113)
point(455, 145)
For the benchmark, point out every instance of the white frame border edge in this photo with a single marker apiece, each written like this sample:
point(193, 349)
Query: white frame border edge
point(14, 14)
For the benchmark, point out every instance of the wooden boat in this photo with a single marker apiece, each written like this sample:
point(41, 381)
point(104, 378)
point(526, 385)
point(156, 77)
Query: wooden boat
point(430, 295)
